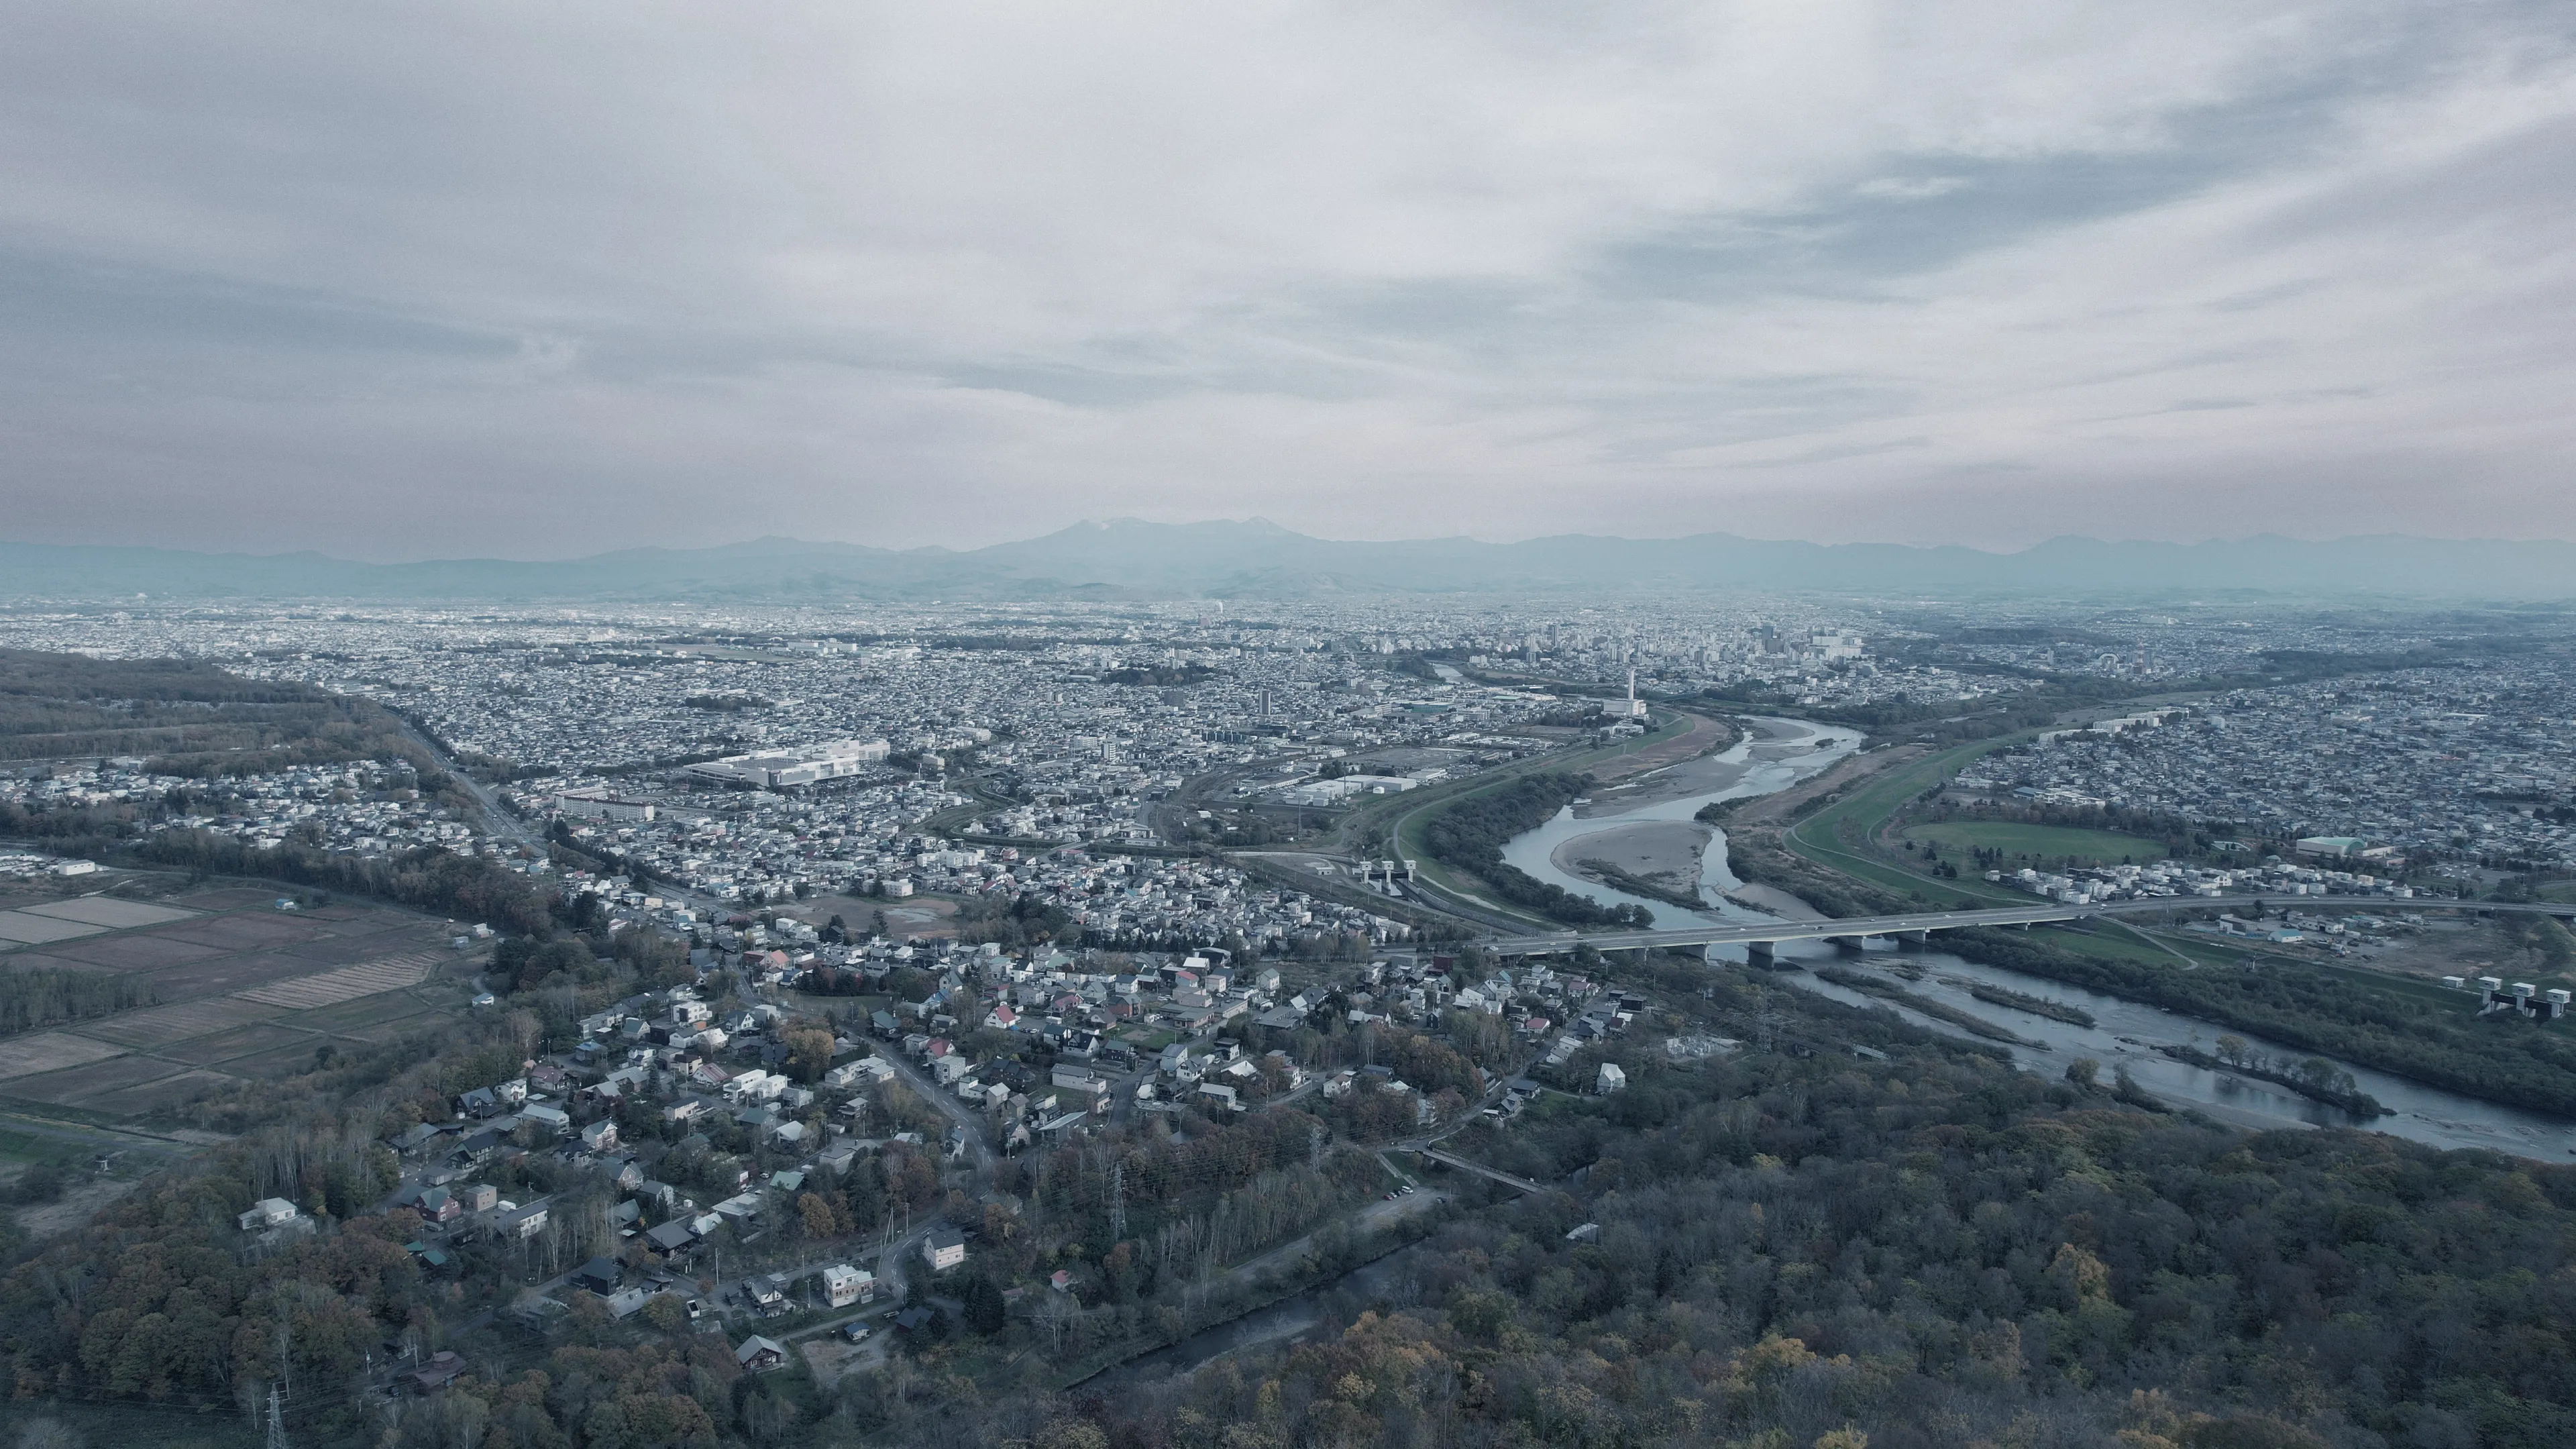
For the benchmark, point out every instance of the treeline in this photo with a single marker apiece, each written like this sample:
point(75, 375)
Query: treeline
point(2024, 1001)
point(2315, 1078)
point(2514, 1062)
point(1469, 834)
point(1813, 1252)
point(186, 717)
point(1154, 1179)
point(1756, 857)
point(465, 887)
point(1969, 1022)
point(30, 999)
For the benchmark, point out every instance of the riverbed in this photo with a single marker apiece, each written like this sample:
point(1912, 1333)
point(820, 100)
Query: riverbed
point(1782, 752)
point(1777, 754)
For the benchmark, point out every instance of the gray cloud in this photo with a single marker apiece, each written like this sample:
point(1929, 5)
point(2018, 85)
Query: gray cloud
point(450, 279)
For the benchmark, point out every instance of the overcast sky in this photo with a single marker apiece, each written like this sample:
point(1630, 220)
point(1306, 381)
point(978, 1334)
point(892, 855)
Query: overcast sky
point(397, 281)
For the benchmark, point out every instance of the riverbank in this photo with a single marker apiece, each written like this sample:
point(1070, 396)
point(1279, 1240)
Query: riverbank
point(1968, 1022)
point(1657, 859)
point(2024, 1001)
point(1691, 763)
point(2340, 1094)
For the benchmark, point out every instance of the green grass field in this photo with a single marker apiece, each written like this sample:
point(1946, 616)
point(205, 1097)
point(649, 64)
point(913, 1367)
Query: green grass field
point(2042, 843)
point(1831, 837)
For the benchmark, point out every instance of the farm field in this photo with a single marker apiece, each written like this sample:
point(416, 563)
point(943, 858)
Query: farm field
point(2043, 844)
point(241, 992)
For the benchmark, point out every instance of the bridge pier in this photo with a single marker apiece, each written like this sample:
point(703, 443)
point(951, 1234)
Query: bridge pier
point(1848, 945)
point(1913, 940)
point(1759, 955)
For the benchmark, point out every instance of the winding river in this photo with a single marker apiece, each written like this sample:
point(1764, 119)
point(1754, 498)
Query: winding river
point(1783, 752)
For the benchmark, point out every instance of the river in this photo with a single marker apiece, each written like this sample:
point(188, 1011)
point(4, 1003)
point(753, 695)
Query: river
point(1783, 752)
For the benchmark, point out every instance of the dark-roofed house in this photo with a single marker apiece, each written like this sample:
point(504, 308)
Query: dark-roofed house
point(943, 1249)
point(599, 1275)
point(675, 1236)
point(443, 1368)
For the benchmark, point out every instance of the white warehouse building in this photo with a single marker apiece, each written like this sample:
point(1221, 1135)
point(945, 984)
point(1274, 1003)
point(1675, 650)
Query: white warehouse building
point(830, 760)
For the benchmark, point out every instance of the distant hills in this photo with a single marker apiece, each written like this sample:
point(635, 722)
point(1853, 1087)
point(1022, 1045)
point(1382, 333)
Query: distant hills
point(1128, 559)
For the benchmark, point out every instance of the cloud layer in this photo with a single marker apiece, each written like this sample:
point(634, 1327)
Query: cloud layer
point(445, 279)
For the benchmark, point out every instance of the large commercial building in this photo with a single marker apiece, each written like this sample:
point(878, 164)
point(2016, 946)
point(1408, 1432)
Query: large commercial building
point(830, 760)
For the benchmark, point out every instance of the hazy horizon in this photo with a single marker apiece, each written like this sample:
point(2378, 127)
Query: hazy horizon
point(500, 552)
point(453, 282)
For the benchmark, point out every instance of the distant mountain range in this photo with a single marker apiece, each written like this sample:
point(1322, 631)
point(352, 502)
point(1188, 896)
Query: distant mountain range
point(1127, 559)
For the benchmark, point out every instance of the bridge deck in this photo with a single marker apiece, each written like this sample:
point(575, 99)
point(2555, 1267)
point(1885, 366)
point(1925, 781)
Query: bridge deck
point(1738, 933)
point(1480, 1169)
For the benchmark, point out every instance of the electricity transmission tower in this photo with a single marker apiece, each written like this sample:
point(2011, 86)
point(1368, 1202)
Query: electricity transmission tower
point(276, 1419)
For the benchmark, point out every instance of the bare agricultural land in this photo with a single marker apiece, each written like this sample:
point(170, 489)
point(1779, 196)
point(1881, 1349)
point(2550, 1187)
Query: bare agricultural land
point(244, 992)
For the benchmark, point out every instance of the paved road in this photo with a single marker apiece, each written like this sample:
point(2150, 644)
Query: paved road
point(949, 1107)
point(1767, 932)
point(502, 821)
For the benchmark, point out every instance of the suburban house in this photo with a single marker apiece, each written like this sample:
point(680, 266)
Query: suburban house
point(269, 1212)
point(844, 1285)
point(943, 1249)
point(517, 1223)
point(443, 1368)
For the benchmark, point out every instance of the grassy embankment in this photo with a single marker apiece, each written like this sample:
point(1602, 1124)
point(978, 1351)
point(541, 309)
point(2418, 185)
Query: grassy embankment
point(1404, 818)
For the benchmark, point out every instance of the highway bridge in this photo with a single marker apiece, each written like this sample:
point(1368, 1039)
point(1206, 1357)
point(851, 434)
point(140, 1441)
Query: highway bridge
point(1758, 937)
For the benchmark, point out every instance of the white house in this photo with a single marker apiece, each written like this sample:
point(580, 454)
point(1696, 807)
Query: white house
point(518, 1222)
point(269, 1212)
point(944, 1249)
point(844, 1285)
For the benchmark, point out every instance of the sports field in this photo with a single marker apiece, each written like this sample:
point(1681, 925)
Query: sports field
point(2040, 844)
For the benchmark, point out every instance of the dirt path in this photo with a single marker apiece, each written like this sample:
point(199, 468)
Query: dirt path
point(1374, 1215)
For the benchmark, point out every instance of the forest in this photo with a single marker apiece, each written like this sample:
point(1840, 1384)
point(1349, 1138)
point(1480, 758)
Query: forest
point(1791, 1245)
point(1468, 834)
point(30, 999)
point(1930, 1251)
point(186, 717)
